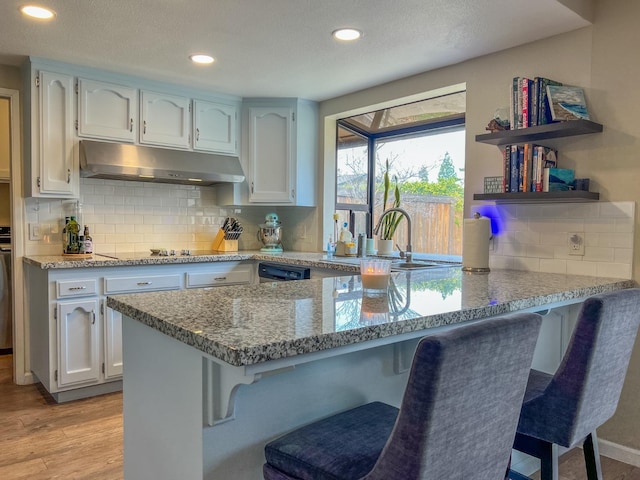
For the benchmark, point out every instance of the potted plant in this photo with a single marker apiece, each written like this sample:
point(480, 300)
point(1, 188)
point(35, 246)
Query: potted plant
point(391, 221)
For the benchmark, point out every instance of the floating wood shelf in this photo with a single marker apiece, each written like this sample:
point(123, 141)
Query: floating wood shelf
point(539, 197)
point(541, 132)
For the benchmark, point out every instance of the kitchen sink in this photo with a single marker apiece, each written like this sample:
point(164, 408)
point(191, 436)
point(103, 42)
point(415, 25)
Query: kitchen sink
point(416, 265)
point(397, 264)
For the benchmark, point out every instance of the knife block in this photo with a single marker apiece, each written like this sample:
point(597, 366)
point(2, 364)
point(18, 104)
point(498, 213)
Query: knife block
point(222, 245)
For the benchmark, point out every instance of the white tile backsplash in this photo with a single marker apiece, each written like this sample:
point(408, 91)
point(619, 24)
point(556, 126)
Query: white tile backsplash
point(128, 216)
point(535, 238)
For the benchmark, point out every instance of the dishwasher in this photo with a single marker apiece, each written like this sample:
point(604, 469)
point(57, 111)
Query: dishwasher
point(277, 272)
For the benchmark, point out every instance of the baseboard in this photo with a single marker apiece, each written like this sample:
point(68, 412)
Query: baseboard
point(618, 452)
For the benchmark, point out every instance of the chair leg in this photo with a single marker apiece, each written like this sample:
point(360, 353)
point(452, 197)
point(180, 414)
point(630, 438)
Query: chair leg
point(592, 457)
point(549, 462)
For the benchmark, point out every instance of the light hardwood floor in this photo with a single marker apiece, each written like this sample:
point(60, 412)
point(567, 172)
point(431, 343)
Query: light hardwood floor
point(42, 440)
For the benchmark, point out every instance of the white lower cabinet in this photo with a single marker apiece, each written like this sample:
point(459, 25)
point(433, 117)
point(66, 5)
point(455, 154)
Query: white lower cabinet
point(112, 343)
point(76, 340)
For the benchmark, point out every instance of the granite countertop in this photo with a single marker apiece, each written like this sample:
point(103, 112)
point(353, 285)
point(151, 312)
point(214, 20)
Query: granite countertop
point(245, 325)
point(310, 259)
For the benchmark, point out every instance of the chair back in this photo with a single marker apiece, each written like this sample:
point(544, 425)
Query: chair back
point(585, 390)
point(460, 409)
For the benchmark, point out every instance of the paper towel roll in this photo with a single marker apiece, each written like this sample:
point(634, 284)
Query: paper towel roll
point(475, 244)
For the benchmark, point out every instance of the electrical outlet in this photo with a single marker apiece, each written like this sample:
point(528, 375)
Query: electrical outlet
point(35, 233)
point(575, 241)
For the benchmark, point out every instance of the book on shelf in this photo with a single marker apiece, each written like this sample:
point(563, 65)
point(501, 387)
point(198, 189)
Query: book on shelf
point(567, 103)
point(529, 104)
point(558, 179)
point(544, 110)
point(506, 169)
point(523, 167)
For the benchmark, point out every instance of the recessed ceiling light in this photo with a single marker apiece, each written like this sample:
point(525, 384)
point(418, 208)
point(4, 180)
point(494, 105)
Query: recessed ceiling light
point(200, 58)
point(347, 34)
point(37, 12)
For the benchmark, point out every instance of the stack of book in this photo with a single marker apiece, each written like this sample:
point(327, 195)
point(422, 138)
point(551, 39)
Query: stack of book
point(529, 103)
point(525, 166)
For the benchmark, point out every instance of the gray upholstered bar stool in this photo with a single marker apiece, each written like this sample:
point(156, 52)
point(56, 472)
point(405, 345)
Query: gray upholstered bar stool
point(457, 418)
point(565, 409)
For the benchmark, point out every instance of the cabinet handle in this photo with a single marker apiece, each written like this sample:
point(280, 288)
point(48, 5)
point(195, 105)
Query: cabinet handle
point(77, 288)
point(197, 134)
point(131, 125)
point(144, 127)
point(219, 279)
point(93, 317)
point(68, 175)
point(251, 187)
point(145, 283)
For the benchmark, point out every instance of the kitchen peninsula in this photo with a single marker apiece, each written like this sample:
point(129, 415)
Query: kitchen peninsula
point(213, 374)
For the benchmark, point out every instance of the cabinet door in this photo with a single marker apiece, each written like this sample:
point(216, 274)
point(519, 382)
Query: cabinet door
point(165, 120)
point(112, 344)
point(107, 111)
point(270, 154)
point(5, 137)
point(57, 155)
point(78, 346)
point(215, 127)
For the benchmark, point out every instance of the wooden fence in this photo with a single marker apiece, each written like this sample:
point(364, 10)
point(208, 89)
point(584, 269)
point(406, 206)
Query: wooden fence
point(436, 228)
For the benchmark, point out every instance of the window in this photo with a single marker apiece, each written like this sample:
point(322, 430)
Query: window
point(423, 143)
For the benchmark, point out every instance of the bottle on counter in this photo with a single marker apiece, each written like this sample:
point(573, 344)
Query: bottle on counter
point(65, 236)
point(73, 232)
point(88, 241)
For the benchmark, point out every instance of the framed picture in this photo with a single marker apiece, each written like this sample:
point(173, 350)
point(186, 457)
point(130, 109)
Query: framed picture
point(567, 103)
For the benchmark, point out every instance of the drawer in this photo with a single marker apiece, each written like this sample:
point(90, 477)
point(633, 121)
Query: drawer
point(221, 276)
point(76, 288)
point(142, 283)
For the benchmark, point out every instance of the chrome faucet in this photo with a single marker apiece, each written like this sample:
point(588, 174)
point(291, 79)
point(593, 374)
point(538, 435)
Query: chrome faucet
point(408, 255)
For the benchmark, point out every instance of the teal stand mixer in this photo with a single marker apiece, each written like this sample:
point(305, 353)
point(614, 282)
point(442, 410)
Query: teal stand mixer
point(270, 234)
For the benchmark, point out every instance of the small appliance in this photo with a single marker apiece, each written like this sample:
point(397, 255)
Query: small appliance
point(270, 233)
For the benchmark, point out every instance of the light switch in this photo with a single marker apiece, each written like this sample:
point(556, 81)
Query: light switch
point(35, 232)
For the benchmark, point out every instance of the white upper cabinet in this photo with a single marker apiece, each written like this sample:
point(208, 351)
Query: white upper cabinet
point(165, 120)
point(270, 155)
point(107, 111)
point(215, 127)
point(5, 137)
point(51, 155)
point(279, 154)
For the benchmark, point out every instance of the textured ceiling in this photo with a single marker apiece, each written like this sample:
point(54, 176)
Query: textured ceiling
point(277, 47)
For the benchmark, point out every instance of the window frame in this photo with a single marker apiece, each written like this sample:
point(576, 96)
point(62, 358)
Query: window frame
point(450, 122)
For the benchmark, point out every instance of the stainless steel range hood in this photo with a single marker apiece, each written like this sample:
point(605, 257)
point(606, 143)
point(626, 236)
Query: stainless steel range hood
point(151, 164)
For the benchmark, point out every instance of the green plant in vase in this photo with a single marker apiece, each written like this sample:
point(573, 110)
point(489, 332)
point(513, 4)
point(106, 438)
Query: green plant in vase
point(390, 221)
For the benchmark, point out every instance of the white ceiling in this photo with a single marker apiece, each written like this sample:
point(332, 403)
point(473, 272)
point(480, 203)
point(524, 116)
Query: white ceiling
point(277, 47)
